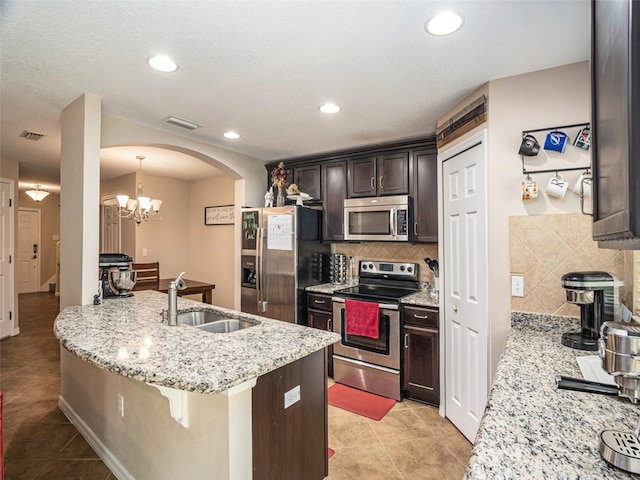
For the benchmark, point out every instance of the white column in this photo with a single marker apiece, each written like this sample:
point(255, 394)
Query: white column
point(80, 200)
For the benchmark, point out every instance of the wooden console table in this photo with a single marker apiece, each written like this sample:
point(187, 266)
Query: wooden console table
point(193, 287)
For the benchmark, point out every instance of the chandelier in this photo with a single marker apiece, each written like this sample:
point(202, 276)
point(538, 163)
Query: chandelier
point(140, 209)
point(37, 195)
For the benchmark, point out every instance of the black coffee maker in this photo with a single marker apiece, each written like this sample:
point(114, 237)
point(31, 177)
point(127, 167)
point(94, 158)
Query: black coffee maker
point(107, 262)
point(597, 295)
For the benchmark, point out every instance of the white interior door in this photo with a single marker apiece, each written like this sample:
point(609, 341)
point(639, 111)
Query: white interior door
point(28, 264)
point(6, 253)
point(110, 226)
point(465, 286)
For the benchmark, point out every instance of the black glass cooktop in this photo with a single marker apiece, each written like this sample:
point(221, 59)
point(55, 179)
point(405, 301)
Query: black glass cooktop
point(374, 293)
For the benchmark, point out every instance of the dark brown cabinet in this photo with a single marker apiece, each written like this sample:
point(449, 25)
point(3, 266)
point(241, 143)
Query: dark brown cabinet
point(290, 443)
point(425, 196)
point(402, 168)
point(375, 175)
point(320, 315)
point(334, 191)
point(421, 373)
point(309, 180)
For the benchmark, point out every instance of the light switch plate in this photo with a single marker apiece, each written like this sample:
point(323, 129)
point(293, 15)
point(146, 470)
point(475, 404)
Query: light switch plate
point(292, 396)
point(517, 286)
point(144, 252)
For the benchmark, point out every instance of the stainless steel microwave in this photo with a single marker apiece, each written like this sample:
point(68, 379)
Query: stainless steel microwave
point(378, 219)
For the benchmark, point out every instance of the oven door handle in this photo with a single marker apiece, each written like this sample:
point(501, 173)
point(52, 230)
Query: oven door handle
point(383, 306)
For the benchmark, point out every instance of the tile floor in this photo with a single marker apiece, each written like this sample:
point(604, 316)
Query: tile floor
point(411, 442)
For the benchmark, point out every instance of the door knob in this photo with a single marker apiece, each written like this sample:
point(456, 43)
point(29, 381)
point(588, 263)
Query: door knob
point(455, 308)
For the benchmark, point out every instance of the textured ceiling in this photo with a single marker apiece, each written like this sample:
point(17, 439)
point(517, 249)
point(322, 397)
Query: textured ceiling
point(262, 68)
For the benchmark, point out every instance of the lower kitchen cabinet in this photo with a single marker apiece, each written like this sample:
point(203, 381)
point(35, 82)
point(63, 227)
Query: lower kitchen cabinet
point(290, 441)
point(320, 315)
point(421, 355)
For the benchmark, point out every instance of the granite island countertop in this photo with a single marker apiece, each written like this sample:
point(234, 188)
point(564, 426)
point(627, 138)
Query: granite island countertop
point(532, 430)
point(128, 336)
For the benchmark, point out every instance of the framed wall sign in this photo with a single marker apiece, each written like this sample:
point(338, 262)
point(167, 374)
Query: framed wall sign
point(222, 215)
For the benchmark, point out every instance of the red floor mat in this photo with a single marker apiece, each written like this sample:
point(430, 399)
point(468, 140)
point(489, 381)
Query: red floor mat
point(356, 401)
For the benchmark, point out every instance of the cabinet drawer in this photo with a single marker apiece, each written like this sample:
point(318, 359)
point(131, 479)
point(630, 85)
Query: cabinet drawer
point(319, 301)
point(421, 317)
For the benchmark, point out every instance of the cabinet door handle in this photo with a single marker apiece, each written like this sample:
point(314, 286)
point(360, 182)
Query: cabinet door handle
point(329, 325)
point(321, 302)
point(421, 317)
point(373, 183)
point(415, 228)
point(381, 186)
point(406, 340)
point(455, 308)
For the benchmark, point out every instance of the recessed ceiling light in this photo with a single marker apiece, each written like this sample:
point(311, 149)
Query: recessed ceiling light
point(232, 135)
point(444, 23)
point(329, 108)
point(163, 64)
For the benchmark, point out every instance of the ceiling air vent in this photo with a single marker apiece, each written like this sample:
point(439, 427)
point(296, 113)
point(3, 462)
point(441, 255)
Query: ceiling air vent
point(31, 135)
point(181, 122)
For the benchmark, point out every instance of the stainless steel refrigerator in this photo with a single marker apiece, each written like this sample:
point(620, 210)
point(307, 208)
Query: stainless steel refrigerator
point(282, 253)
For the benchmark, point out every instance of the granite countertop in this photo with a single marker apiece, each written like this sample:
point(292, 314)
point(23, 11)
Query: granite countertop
point(421, 298)
point(128, 336)
point(329, 288)
point(532, 430)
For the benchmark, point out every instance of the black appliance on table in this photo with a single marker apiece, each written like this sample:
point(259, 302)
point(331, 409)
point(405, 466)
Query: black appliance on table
point(369, 364)
point(108, 262)
point(596, 293)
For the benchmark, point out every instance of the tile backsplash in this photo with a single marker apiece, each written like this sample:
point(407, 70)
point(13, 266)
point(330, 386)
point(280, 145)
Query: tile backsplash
point(391, 251)
point(545, 247)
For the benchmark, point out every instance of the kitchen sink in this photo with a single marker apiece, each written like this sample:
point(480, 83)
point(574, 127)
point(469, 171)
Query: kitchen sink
point(198, 317)
point(225, 325)
point(213, 322)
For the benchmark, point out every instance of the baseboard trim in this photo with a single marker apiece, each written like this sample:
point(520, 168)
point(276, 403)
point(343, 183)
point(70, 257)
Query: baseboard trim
point(100, 448)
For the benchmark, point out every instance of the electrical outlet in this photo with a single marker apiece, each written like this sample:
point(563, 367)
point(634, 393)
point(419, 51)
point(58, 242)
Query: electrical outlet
point(121, 405)
point(292, 396)
point(517, 286)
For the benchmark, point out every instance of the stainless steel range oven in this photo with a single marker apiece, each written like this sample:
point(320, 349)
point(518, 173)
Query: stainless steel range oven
point(360, 361)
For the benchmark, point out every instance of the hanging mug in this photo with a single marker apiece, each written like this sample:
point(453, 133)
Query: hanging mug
point(529, 147)
point(557, 186)
point(529, 188)
point(583, 184)
point(556, 141)
point(583, 139)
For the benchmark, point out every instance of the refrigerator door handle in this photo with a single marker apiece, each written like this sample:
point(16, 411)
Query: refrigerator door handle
point(259, 269)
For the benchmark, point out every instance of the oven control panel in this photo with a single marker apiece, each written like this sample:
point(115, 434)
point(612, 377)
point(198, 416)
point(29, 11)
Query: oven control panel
point(388, 269)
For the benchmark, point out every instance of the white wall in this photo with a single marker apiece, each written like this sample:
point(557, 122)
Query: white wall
point(166, 241)
point(212, 247)
point(546, 98)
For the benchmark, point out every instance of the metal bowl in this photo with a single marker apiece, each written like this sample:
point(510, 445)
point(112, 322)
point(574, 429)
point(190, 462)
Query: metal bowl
point(123, 280)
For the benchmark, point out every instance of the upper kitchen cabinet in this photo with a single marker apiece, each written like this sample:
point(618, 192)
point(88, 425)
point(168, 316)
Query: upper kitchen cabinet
point(615, 126)
point(425, 196)
point(308, 180)
point(334, 191)
point(375, 175)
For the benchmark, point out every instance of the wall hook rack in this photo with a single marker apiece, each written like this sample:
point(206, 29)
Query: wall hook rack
point(551, 129)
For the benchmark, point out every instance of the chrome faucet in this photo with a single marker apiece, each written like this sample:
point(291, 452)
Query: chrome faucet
point(172, 311)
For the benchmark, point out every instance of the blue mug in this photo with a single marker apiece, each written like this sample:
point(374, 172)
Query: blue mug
point(556, 141)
